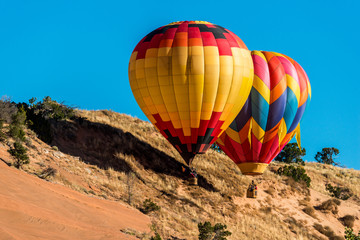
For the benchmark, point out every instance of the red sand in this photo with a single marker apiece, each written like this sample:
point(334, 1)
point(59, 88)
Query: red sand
point(31, 208)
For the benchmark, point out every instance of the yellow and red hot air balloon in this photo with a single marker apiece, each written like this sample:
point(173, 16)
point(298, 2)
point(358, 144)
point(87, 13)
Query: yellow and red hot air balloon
point(271, 115)
point(191, 79)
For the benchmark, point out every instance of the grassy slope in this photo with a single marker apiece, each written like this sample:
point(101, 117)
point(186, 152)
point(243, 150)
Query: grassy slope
point(97, 153)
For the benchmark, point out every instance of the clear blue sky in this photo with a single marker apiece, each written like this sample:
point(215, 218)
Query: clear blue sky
point(78, 52)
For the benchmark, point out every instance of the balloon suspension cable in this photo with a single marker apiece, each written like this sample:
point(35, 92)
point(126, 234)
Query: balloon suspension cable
point(188, 157)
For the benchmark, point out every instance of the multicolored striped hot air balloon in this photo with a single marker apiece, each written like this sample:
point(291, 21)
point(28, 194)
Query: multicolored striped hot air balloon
point(271, 115)
point(191, 79)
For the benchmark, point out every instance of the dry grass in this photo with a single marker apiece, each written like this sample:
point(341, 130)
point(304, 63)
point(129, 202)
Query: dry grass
point(322, 173)
point(329, 206)
point(348, 221)
point(327, 231)
point(271, 191)
point(310, 210)
point(110, 145)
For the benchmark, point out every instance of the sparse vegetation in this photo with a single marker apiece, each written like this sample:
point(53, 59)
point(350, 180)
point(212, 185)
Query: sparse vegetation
point(350, 235)
point(296, 172)
point(156, 237)
point(310, 210)
point(330, 205)
point(338, 192)
point(132, 147)
point(348, 221)
point(149, 206)
point(40, 114)
point(216, 232)
point(17, 126)
point(47, 173)
point(51, 109)
point(327, 231)
point(18, 151)
point(291, 154)
point(327, 156)
point(130, 184)
point(7, 109)
point(2, 134)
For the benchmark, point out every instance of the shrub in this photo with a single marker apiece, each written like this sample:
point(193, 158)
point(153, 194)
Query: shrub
point(50, 109)
point(156, 237)
point(291, 154)
point(309, 210)
point(338, 192)
point(327, 231)
point(48, 172)
point(18, 124)
point(297, 173)
point(348, 221)
point(18, 151)
point(149, 206)
point(350, 235)
point(330, 205)
point(41, 112)
point(216, 232)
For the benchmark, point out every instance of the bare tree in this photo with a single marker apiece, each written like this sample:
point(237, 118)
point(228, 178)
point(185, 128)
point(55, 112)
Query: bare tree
point(7, 109)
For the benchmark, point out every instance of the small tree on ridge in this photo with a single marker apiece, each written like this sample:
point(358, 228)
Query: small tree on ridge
point(327, 156)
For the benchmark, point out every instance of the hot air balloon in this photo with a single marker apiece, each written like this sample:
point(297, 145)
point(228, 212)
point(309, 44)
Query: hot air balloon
point(191, 79)
point(271, 115)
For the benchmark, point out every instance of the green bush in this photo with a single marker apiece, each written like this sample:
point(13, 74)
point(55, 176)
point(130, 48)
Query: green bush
point(291, 153)
point(149, 206)
point(338, 192)
point(18, 124)
point(50, 109)
point(350, 235)
point(156, 237)
point(19, 152)
point(296, 172)
point(40, 113)
point(216, 232)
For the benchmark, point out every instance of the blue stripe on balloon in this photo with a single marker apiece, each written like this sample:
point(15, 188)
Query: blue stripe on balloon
point(243, 117)
point(291, 108)
point(260, 108)
point(276, 111)
point(297, 118)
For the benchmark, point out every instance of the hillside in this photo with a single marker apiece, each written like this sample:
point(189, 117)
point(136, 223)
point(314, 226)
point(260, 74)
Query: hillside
point(101, 154)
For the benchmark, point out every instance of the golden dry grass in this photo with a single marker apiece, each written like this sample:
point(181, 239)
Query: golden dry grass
point(111, 146)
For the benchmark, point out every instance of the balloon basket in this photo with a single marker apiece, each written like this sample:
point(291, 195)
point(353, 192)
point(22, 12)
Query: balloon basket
point(251, 194)
point(193, 181)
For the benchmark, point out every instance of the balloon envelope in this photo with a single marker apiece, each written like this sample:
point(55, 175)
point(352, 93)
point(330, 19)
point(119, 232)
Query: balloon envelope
point(271, 114)
point(191, 79)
